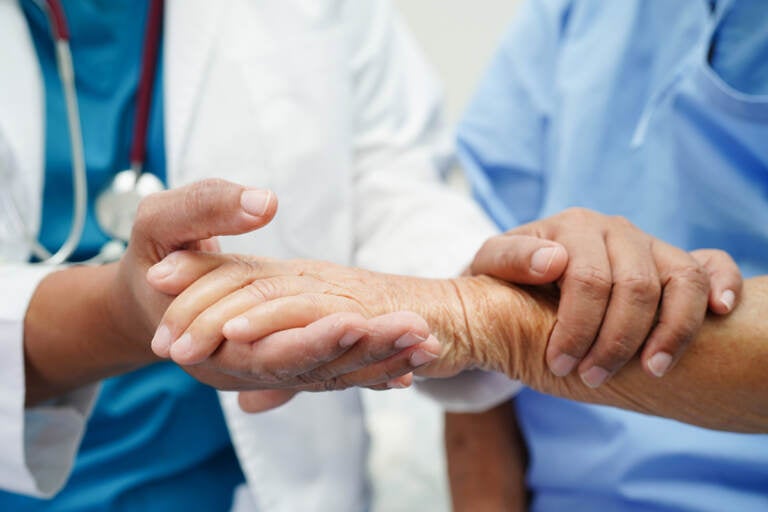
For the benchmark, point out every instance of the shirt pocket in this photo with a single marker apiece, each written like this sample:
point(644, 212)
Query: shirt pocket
point(722, 157)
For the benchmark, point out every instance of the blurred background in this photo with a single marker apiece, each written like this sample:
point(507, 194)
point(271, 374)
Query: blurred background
point(407, 464)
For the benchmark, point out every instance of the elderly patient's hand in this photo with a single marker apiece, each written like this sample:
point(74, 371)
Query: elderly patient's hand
point(315, 340)
point(274, 313)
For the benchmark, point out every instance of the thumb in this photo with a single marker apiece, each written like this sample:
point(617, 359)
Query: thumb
point(521, 259)
point(178, 218)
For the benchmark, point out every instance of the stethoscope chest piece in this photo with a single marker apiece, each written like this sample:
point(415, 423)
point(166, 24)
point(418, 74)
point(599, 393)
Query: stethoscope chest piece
point(116, 206)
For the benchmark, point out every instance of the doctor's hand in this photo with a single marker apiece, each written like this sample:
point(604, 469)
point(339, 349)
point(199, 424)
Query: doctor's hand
point(188, 217)
point(622, 291)
point(86, 323)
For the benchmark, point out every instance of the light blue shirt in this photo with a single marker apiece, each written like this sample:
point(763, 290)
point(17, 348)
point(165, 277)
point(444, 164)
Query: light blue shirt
point(614, 106)
point(740, 46)
point(157, 440)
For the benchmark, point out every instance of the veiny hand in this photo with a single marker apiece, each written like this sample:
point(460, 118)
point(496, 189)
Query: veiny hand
point(184, 218)
point(622, 290)
point(309, 347)
point(264, 321)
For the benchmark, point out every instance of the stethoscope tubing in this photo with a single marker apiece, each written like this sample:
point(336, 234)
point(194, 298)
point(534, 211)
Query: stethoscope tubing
point(66, 73)
point(79, 177)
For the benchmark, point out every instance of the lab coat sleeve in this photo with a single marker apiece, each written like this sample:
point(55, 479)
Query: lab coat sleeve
point(406, 219)
point(472, 391)
point(39, 443)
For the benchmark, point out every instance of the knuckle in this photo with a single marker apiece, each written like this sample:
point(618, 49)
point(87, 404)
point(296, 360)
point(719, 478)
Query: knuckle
point(503, 260)
point(144, 216)
point(622, 222)
point(316, 304)
point(642, 287)
point(693, 274)
point(720, 262)
point(591, 277)
point(199, 194)
point(320, 374)
point(260, 290)
point(571, 339)
point(677, 334)
point(616, 352)
point(270, 375)
point(307, 379)
point(335, 384)
point(578, 213)
point(237, 269)
point(205, 320)
point(375, 354)
point(717, 254)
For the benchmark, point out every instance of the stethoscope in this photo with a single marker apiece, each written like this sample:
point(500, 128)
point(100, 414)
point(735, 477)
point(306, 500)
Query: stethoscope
point(116, 205)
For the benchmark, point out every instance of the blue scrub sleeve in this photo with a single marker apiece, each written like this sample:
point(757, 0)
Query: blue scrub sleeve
point(501, 139)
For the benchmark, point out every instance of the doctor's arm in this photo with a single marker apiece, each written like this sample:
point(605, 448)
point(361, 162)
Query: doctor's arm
point(486, 459)
point(64, 328)
point(87, 323)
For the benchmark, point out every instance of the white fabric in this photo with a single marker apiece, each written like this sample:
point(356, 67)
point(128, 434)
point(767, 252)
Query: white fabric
point(470, 391)
point(328, 103)
point(38, 444)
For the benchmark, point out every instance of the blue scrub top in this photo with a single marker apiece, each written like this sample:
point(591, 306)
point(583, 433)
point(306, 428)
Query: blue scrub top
point(157, 438)
point(616, 106)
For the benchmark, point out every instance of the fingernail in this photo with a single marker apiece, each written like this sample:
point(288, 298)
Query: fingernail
point(161, 342)
point(183, 346)
point(659, 363)
point(409, 339)
point(563, 364)
point(542, 259)
point(161, 270)
point(396, 384)
point(256, 201)
point(421, 357)
point(595, 376)
point(728, 298)
point(350, 339)
point(236, 326)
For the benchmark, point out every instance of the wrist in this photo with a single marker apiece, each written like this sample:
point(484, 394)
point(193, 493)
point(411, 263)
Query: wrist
point(123, 313)
point(505, 324)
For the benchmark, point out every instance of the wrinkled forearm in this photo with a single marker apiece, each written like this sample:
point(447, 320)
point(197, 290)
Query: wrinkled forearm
point(475, 318)
point(719, 383)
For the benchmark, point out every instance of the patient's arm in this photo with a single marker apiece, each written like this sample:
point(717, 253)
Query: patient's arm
point(486, 461)
point(719, 384)
point(482, 323)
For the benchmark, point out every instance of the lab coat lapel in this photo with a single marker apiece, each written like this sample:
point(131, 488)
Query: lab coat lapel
point(21, 110)
point(191, 30)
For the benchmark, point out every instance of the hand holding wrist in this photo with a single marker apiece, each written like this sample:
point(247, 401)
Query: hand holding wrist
point(504, 322)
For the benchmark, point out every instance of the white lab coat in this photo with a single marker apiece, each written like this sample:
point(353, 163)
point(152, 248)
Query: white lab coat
point(326, 102)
